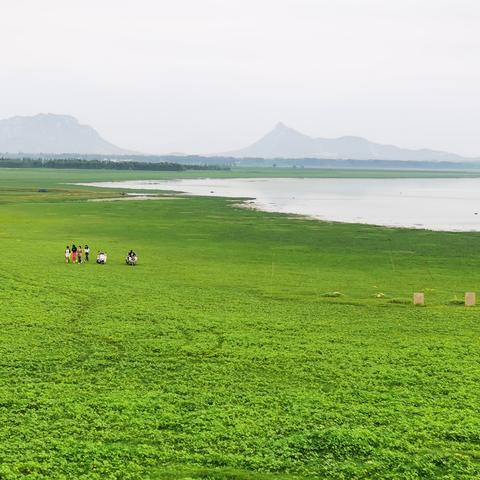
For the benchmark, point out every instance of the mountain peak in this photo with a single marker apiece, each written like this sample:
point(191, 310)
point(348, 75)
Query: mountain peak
point(281, 126)
point(52, 133)
point(40, 117)
point(285, 142)
point(56, 116)
point(282, 131)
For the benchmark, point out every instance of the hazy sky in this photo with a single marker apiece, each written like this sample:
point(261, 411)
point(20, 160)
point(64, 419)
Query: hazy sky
point(214, 75)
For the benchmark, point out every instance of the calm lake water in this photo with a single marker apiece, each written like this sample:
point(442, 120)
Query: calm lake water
point(438, 204)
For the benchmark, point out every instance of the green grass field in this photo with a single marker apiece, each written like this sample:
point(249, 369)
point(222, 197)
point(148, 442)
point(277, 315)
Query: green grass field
point(227, 353)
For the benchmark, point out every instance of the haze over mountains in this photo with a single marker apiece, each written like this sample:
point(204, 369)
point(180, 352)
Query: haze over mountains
point(63, 134)
point(285, 142)
point(55, 134)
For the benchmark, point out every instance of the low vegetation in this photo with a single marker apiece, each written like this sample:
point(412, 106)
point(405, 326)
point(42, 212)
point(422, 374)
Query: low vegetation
point(244, 345)
point(79, 163)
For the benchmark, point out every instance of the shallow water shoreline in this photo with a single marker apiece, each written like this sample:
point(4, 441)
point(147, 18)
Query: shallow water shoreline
point(428, 204)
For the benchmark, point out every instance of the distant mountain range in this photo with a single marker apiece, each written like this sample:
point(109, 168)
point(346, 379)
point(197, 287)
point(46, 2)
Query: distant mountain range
point(285, 142)
point(55, 134)
point(45, 134)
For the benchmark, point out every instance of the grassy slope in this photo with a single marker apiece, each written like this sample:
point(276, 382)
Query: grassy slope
point(218, 356)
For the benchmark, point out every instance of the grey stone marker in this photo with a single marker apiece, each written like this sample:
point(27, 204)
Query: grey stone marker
point(419, 298)
point(470, 299)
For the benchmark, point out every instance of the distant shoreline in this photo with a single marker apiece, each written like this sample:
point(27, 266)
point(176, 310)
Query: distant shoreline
point(448, 205)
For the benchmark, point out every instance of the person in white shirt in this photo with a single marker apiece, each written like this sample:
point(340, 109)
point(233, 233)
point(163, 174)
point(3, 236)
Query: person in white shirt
point(102, 258)
point(67, 254)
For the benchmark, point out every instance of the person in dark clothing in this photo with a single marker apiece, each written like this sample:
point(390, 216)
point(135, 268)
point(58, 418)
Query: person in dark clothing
point(131, 258)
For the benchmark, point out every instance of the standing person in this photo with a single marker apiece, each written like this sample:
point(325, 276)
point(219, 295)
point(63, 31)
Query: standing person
point(87, 252)
point(67, 254)
point(74, 253)
point(79, 253)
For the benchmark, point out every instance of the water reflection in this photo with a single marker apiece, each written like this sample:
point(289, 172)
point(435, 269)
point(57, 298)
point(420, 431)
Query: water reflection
point(438, 204)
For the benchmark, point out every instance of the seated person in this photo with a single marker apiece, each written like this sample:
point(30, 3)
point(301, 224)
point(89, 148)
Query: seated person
point(131, 257)
point(102, 258)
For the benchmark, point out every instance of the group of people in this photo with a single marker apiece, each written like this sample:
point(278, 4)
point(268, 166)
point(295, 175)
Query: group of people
point(80, 255)
point(77, 254)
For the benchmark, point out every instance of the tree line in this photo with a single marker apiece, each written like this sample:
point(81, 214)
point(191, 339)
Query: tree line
point(102, 164)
